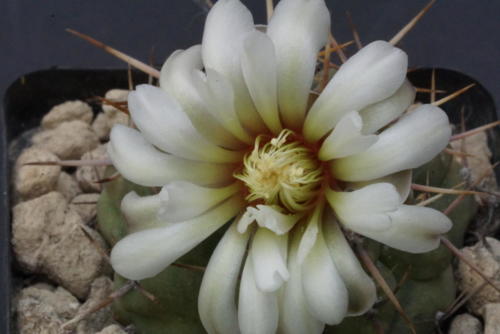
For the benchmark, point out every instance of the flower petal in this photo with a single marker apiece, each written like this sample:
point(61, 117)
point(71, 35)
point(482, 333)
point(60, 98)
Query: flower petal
point(360, 287)
point(269, 259)
point(140, 162)
point(216, 300)
point(414, 229)
point(310, 234)
point(218, 93)
point(258, 63)
point(366, 208)
point(268, 217)
point(324, 289)
point(298, 30)
point(227, 24)
point(346, 138)
point(412, 141)
point(295, 318)
point(184, 200)
point(177, 201)
point(400, 180)
point(140, 212)
point(177, 79)
point(374, 73)
point(378, 115)
point(163, 123)
point(146, 253)
point(257, 310)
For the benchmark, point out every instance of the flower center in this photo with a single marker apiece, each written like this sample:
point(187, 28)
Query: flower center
point(282, 172)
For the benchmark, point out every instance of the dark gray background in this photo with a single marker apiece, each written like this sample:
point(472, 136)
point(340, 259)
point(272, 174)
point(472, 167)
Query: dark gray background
point(457, 34)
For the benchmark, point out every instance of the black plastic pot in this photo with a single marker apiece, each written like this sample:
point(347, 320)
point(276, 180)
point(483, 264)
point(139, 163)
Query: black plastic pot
point(31, 96)
point(25, 102)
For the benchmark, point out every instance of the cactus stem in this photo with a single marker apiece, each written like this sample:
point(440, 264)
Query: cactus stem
point(188, 266)
point(403, 279)
point(118, 54)
point(107, 301)
point(428, 90)
point(461, 300)
point(324, 56)
point(334, 48)
point(458, 153)
point(118, 105)
point(475, 131)
point(269, 9)
point(330, 64)
point(87, 231)
point(436, 197)
point(130, 79)
point(399, 36)
point(453, 95)
point(70, 163)
point(338, 48)
point(147, 294)
point(430, 200)
point(326, 66)
point(465, 260)
point(108, 179)
point(420, 187)
point(433, 86)
point(460, 198)
point(355, 33)
point(377, 276)
point(84, 203)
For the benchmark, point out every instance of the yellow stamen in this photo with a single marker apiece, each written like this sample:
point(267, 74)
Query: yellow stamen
point(281, 172)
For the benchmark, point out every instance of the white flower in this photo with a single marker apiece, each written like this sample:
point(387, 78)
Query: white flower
point(231, 133)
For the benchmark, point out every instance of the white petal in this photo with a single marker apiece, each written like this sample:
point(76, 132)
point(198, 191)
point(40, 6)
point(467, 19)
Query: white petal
point(414, 229)
point(346, 138)
point(163, 123)
point(412, 141)
point(177, 201)
point(216, 300)
point(374, 73)
point(366, 208)
point(360, 287)
point(246, 219)
point(269, 259)
point(177, 79)
point(400, 180)
point(184, 200)
point(146, 253)
point(378, 115)
point(298, 30)
point(310, 234)
point(324, 289)
point(257, 310)
point(258, 63)
point(140, 162)
point(218, 93)
point(294, 315)
point(228, 23)
point(268, 217)
point(140, 212)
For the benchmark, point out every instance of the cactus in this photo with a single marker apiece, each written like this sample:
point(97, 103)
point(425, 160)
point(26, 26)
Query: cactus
point(430, 286)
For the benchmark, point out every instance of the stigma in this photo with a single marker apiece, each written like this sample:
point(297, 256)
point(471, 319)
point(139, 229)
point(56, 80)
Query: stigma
point(282, 172)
